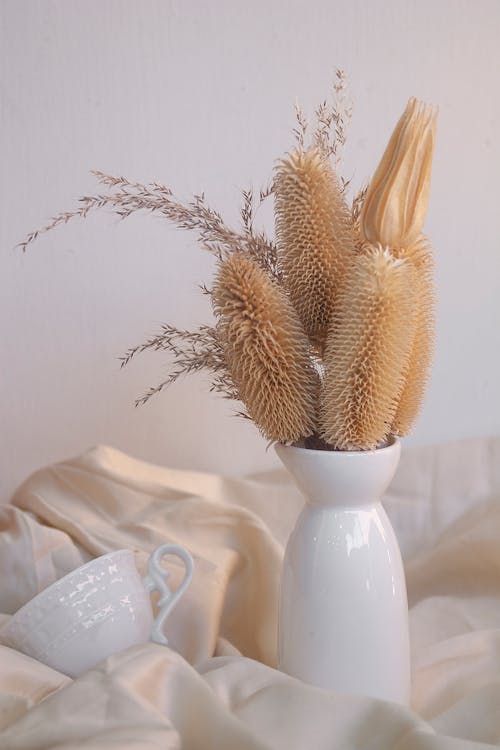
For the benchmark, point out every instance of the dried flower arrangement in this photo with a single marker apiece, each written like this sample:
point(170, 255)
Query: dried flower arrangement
point(325, 334)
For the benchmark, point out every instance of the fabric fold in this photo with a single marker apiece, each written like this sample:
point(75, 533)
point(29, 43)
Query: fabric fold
point(216, 686)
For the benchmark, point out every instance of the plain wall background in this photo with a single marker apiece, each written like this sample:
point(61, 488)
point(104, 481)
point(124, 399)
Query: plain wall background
point(200, 95)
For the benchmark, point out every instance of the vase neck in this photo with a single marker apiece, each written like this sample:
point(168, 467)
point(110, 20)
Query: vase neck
point(336, 502)
point(341, 478)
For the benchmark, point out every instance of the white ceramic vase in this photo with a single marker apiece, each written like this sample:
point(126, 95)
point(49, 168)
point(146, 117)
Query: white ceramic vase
point(343, 621)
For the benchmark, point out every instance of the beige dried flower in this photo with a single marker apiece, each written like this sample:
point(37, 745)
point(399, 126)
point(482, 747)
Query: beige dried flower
point(367, 351)
point(418, 368)
point(266, 350)
point(396, 203)
point(357, 281)
point(315, 237)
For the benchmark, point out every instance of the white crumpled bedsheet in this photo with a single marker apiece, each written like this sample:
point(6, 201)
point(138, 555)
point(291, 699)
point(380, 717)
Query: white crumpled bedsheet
point(216, 687)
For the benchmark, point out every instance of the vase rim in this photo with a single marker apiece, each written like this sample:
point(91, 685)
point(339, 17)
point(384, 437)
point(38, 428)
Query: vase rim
point(347, 478)
point(393, 441)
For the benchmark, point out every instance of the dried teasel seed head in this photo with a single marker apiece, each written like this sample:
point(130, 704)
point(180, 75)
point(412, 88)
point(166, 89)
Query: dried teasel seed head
point(367, 351)
point(396, 203)
point(419, 363)
point(315, 236)
point(266, 350)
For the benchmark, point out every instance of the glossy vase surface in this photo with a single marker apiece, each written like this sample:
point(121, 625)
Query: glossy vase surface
point(343, 621)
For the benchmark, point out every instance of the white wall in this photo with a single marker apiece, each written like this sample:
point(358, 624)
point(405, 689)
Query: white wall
point(200, 95)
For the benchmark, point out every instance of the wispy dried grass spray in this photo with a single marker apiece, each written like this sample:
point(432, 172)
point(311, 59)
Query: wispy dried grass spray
point(348, 291)
point(266, 350)
point(315, 237)
point(367, 351)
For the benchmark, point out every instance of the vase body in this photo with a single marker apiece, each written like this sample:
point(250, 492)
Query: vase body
point(343, 620)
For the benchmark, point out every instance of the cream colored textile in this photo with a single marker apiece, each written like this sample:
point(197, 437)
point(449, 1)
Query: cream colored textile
point(216, 686)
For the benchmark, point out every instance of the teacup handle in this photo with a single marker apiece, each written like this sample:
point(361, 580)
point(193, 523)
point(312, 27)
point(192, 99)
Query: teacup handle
point(157, 579)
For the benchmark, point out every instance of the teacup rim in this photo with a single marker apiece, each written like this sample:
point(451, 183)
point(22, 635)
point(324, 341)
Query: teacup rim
point(81, 568)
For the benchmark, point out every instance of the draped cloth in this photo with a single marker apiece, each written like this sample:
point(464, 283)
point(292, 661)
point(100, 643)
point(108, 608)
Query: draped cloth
point(215, 687)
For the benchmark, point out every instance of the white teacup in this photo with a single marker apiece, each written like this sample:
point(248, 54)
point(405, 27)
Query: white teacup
point(96, 610)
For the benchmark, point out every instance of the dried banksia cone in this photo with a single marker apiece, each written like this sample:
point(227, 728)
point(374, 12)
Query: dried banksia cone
point(266, 350)
point(315, 237)
point(367, 351)
point(418, 368)
point(396, 202)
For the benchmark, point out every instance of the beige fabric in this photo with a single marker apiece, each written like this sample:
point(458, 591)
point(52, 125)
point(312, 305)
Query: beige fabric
point(216, 686)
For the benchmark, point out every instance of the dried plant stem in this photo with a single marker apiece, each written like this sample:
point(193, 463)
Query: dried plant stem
point(193, 351)
point(266, 350)
point(213, 234)
point(367, 352)
point(333, 121)
point(325, 335)
point(166, 340)
point(418, 369)
point(357, 207)
point(300, 129)
point(315, 237)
